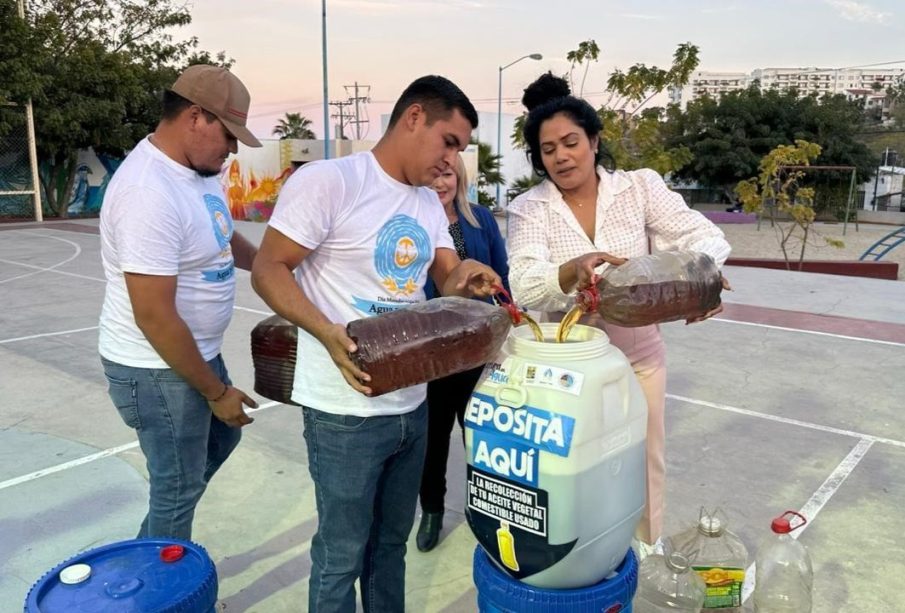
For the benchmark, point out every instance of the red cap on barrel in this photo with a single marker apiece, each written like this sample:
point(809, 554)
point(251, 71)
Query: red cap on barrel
point(172, 553)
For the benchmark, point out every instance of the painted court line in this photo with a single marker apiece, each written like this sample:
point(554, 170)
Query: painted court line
point(789, 421)
point(815, 332)
point(92, 457)
point(45, 335)
point(815, 504)
point(74, 330)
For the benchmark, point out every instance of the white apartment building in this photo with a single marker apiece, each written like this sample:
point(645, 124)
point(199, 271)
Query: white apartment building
point(852, 82)
point(712, 84)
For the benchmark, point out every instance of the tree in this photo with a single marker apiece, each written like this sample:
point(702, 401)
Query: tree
point(95, 70)
point(631, 132)
point(779, 185)
point(729, 137)
point(294, 125)
point(488, 173)
point(522, 185)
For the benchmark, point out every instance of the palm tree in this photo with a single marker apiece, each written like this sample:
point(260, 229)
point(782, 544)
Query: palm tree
point(488, 172)
point(294, 125)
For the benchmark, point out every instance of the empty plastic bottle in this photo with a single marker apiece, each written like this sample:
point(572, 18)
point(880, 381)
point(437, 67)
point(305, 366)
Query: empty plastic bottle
point(666, 583)
point(274, 342)
point(719, 557)
point(784, 575)
point(657, 288)
point(427, 341)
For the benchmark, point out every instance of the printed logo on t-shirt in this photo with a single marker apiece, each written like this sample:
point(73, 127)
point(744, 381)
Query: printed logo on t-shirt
point(220, 219)
point(402, 251)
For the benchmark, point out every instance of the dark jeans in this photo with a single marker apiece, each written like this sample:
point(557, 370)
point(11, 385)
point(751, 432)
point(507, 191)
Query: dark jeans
point(446, 401)
point(184, 444)
point(366, 472)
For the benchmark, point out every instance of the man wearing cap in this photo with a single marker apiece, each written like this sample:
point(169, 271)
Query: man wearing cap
point(169, 253)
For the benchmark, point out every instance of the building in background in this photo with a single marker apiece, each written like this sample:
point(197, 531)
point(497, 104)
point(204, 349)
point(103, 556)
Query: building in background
point(867, 84)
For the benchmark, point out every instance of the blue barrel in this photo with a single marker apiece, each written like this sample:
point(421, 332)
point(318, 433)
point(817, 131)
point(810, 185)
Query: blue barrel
point(140, 575)
point(499, 593)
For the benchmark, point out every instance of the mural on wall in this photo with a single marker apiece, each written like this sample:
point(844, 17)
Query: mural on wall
point(252, 197)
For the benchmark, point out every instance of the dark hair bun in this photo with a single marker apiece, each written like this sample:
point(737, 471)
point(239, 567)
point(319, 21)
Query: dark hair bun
point(545, 88)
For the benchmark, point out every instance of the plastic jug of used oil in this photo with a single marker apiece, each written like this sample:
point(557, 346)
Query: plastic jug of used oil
point(719, 557)
point(657, 288)
point(784, 575)
point(555, 438)
point(274, 343)
point(427, 341)
point(667, 583)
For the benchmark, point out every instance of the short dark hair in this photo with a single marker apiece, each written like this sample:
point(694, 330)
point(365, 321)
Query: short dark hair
point(548, 96)
point(173, 105)
point(439, 96)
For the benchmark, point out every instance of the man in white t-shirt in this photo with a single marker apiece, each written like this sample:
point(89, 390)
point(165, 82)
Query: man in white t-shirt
point(169, 253)
point(350, 238)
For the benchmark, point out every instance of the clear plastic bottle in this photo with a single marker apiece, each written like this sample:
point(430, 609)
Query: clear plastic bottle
point(656, 288)
point(667, 584)
point(784, 573)
point(273, 348)
point(719, 557)
point(427, 341)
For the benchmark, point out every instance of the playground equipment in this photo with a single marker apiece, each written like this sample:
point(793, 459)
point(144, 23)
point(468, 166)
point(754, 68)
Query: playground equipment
point(884, 245)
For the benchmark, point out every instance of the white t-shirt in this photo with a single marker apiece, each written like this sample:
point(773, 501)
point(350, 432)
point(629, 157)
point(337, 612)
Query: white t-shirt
point(161, 218)
point(373, 241)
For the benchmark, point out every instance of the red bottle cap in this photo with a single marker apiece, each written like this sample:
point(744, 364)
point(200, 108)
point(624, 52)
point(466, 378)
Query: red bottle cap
point(782, 525)
point(172, 553)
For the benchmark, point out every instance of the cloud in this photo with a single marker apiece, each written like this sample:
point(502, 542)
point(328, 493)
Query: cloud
point(858, 11)
point(721, 9)
point(641, 16)
point(384, 6)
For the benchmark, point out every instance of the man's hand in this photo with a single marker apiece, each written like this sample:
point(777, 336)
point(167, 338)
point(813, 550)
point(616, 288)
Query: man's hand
point(582, 267)
point(229, 407)
point(339, 345)
point(473, 279)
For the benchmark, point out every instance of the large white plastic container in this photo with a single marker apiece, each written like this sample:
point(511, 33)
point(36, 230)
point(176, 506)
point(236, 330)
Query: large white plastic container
point(555, 438)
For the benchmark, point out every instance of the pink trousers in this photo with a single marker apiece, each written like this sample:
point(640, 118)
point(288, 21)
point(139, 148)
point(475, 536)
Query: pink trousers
point(646, 352)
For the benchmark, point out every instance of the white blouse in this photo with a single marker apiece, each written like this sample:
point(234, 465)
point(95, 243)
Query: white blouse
point(635, 211)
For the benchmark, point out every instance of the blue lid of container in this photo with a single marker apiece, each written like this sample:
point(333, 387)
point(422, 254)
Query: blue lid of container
point(611, 595)
point(161, 575)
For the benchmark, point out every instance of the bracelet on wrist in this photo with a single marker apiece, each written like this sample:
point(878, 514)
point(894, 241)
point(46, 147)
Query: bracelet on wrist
point(222, 394)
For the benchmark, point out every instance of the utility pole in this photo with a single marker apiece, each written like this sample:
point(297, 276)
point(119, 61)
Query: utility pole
point(877, 178)
point(356, 99)
point(32, 143)
point(341, 115)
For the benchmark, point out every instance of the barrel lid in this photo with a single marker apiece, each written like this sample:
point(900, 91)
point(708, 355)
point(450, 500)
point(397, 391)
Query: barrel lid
point(163, 575)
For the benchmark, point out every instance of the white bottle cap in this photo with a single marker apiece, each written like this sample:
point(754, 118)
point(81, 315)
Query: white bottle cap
point(75, 574)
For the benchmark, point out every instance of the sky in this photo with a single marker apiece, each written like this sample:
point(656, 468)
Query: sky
point(276, 44)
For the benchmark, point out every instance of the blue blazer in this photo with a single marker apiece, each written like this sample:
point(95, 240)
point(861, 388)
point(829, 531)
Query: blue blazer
point(484, 244)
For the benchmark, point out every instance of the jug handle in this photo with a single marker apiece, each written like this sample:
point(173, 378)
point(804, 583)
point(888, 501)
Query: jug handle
point(501, 395)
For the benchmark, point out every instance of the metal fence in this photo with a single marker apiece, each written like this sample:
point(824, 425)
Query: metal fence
point(17, 188)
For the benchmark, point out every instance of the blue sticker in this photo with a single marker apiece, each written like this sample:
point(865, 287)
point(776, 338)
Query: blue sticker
point(500, 456)
point(527, 425)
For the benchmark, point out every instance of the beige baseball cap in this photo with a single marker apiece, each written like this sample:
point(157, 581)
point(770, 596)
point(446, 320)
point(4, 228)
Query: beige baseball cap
point(220, 92)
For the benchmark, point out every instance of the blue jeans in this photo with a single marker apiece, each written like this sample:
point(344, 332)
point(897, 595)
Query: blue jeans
point(184, 444)
point(366, 473)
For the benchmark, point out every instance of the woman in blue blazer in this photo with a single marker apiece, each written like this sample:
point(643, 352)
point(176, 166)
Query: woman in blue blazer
point(476, 235)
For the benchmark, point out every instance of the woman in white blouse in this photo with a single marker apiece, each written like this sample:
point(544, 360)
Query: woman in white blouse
point(584, 215)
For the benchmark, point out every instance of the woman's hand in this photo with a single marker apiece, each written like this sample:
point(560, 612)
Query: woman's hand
point(578, 272)
point(717, 310)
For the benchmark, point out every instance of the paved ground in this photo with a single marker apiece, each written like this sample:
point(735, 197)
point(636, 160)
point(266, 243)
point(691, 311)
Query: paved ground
point(791, 400)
